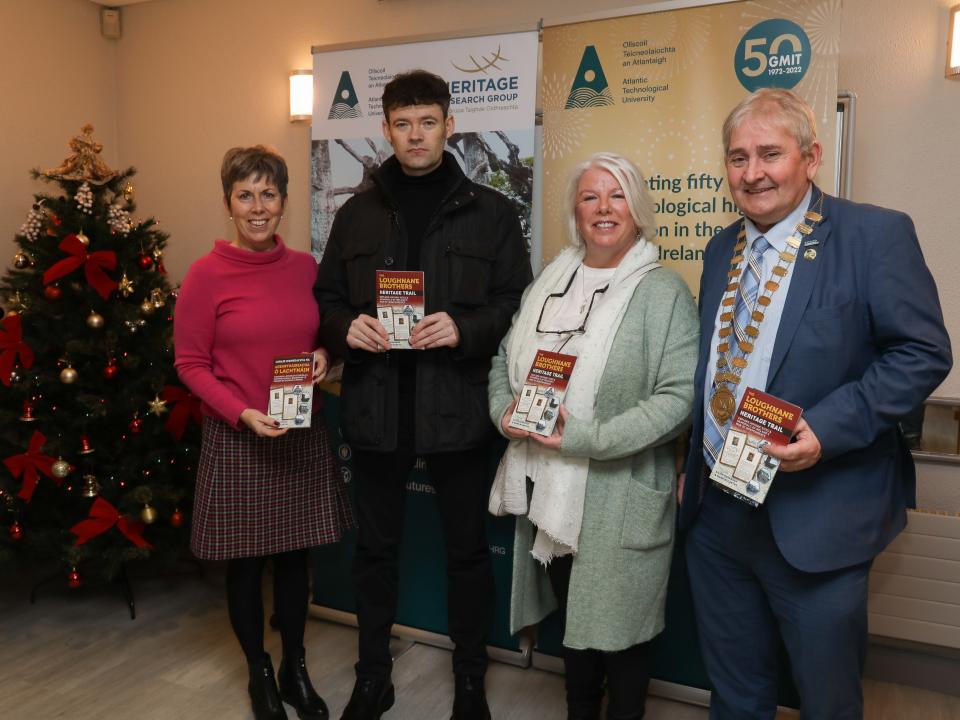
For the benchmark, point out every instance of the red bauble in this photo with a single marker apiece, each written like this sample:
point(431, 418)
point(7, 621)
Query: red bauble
point(16, 530)
point(176, 519)
point(52, 292)
point(111, 370)
point(146, 262)
point(73, 579)
point(136, 425)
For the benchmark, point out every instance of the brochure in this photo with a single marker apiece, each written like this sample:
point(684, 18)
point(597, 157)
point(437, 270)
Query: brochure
point(542, 392)
point(400, 304)
point(743, 470)
point(291, 390)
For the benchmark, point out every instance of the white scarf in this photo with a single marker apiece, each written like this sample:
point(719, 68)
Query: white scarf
point(559, 483)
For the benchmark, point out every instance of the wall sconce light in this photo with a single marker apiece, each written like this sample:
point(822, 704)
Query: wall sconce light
point(953, 44)
point(301, 95)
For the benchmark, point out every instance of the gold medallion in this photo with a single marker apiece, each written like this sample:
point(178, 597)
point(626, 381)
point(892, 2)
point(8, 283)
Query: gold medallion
point(810, 254)
point(722, 404)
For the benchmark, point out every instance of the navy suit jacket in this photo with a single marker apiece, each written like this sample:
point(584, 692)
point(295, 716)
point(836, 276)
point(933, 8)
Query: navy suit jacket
point(860, 344)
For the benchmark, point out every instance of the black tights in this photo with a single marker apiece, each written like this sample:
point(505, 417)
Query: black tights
point(627, 671)
point(245, 602)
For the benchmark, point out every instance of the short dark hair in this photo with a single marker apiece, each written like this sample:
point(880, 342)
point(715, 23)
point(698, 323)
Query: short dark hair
point(416, 87)
point(258, 161)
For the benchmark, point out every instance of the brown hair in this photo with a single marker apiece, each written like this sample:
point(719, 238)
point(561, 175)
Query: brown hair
point(417, 87)
point(258, 161)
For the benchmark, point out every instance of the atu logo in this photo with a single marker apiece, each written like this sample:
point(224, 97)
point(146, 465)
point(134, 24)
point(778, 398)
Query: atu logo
point(590, 87)
point(345, 103)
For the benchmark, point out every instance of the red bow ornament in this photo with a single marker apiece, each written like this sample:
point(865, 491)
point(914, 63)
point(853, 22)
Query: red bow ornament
point(104, 516)
point(30, 464)
point(11, 346)
point(184, 407)
point(95, 265)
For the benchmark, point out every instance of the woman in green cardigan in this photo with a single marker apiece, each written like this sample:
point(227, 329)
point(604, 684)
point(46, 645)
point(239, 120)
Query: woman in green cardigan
point(595, 500)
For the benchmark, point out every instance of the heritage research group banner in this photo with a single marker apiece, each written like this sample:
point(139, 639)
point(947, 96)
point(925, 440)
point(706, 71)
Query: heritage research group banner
point(656, 88)
point(493, 86)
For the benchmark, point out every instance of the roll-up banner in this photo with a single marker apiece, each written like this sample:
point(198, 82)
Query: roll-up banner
point(657, 86)
point(493, 85)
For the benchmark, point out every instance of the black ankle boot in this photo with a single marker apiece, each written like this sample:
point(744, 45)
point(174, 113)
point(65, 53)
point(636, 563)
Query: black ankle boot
point(296, 690)
point(469, 698)
point(371, 697)
point(264, 696)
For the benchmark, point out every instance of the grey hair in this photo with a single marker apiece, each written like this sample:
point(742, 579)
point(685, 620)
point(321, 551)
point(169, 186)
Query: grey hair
point(778, 108)
point(634, 188)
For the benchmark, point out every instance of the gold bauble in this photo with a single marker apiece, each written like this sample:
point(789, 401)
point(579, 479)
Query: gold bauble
point(148, 514)
point(146, 307)
point(94, 320)
point(60, 468)
point(84, 240)
point(68, 375)
point(21, 261)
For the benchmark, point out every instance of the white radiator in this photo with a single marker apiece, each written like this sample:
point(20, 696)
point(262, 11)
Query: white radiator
point(915, 582)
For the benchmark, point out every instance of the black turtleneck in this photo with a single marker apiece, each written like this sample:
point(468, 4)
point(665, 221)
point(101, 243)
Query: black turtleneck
point(418, 197)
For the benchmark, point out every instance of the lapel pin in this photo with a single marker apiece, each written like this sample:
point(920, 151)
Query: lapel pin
point(810, 254)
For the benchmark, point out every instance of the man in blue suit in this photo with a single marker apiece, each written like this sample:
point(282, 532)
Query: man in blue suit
point(827, 304)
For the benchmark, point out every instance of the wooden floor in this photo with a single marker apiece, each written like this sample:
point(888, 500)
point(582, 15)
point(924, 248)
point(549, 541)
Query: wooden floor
point(78, 655)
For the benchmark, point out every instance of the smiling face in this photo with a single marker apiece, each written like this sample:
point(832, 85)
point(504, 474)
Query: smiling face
point(603, 219)
point(256, 206)
point(418, 134)
point(767, 172)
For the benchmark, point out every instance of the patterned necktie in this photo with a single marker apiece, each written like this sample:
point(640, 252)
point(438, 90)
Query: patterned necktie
point(713, 432)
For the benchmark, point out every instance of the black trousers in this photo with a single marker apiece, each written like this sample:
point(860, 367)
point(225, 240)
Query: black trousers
point(462, 485)
point(627, 672)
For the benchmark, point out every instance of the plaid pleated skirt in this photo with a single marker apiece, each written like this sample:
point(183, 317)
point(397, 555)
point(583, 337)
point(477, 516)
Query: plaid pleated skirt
point(260, 496)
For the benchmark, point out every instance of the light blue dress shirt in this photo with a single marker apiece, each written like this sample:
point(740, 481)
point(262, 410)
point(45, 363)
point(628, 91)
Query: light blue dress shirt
point(755, 374)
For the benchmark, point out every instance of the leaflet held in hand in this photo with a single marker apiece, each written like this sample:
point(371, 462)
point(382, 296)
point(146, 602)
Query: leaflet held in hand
point(400, 304)
point(291, 390)
point(542, 393)
point(742, 469)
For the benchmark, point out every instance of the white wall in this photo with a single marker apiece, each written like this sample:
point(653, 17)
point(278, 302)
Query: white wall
point(57, 74)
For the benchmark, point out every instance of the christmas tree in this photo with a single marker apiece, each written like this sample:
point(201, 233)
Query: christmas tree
point(98, 438)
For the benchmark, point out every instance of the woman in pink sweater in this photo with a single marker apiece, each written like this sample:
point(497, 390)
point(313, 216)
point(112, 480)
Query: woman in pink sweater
point(263, 493)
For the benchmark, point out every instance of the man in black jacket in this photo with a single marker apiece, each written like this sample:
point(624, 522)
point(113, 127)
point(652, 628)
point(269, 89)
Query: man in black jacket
point(422, 214)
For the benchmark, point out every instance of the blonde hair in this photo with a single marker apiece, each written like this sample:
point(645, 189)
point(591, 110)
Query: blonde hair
point(634, 189)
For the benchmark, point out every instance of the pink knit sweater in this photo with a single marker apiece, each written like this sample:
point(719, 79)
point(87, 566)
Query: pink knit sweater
point(236, 311)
